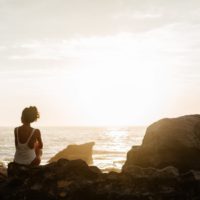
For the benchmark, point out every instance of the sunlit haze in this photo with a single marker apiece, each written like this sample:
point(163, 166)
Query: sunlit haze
point(99, 62)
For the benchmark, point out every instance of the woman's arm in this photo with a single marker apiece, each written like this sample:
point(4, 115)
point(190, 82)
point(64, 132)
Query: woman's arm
point(39, 139)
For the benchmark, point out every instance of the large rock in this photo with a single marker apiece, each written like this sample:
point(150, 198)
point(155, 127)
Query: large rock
point(73, 152)
point(169, 142)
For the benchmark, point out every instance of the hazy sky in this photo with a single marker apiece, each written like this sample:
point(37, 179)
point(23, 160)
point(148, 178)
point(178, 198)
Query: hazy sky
point(99, 62)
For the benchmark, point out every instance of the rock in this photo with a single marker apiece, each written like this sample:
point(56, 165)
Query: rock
point(95, 169)
point(169, 142)
point(3, 170)
point(75, 180)
point(73, 152)
point(191, 181)
point(113, 176)
point(49, 181)
point(191, 176)
point(63, 184)
point(169, 172)
point(57, 170)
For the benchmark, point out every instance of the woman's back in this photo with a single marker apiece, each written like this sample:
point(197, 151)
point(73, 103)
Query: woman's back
point(25, 153)
point(25, 134)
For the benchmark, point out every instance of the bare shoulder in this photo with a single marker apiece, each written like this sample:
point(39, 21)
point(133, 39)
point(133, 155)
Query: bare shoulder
point(15, 129)
point(37, 132)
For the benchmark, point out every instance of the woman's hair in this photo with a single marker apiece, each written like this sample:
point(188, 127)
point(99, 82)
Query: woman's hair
point(30, 114)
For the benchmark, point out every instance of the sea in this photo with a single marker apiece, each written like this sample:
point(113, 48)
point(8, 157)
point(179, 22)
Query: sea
point(109, 152)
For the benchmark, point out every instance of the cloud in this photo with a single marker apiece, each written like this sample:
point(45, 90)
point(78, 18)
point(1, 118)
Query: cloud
point(137, 15)
point(21, 20)
point(178, 43)
point(70, 34)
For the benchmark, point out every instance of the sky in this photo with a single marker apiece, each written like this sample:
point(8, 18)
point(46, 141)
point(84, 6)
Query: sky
point(99, 62)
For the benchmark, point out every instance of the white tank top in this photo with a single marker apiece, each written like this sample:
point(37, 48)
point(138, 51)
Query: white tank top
point(24, 154)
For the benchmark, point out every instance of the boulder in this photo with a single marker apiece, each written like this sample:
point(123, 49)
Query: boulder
point(169, 142)
point(73, 152)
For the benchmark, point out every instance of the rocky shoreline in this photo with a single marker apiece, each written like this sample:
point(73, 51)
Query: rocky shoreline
point(75, 180)
point(165, 167)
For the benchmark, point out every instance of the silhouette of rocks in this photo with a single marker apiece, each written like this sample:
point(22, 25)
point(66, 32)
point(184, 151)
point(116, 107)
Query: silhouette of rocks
point(169, 142)
point(75, 180)
point(73, 152)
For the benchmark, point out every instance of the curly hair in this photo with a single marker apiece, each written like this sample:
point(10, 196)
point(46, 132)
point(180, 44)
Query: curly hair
point(30, 114)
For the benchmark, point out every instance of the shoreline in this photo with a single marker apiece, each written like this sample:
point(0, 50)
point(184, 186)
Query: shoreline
point(75, 180)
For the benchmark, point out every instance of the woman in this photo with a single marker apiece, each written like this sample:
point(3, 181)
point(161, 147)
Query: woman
point(28, 140)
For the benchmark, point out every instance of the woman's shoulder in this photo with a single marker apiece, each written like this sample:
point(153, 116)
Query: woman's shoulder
point(16, 128)
point(37, 131)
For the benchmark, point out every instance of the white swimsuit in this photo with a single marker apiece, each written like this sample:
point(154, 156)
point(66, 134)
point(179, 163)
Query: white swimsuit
point(24, 154)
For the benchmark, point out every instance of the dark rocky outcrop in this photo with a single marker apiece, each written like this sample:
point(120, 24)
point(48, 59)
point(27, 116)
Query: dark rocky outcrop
point(74, 152)
point(75, 180)
point(52, 181)
point(169, 142)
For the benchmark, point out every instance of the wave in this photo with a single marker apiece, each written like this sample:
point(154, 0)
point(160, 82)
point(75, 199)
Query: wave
point(108, 152)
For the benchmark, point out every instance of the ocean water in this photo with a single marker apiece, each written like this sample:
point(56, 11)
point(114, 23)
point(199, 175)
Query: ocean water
point(109, 152)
